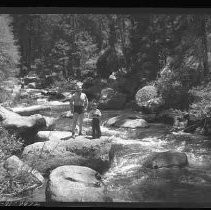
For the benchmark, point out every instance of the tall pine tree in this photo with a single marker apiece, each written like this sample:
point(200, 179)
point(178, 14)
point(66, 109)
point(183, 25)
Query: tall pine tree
point(9, 55)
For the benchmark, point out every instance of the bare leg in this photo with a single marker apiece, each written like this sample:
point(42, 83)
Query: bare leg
point(80, 119)
point(75, 118)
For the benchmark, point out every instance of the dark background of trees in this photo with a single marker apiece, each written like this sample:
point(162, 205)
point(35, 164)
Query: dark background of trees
point(74, 46)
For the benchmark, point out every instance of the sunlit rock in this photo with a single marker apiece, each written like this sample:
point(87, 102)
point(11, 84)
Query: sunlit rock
point(93, 153)
point(127, 121)
point(75, 184)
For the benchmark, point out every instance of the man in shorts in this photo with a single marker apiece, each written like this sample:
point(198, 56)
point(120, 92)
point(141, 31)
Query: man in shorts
point(78, 105)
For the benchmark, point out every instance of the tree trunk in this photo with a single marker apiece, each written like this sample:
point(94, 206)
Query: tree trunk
point(26, 111)
point(25, 127)
point(204, 46)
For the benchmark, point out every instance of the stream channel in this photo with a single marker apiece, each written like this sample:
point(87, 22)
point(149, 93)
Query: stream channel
point(127, 183)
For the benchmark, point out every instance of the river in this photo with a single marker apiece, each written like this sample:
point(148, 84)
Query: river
point(124, 181)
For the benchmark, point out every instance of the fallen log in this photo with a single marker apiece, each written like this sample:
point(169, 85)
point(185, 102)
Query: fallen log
point(26, 111)
point(35, 109)
point(25, 127)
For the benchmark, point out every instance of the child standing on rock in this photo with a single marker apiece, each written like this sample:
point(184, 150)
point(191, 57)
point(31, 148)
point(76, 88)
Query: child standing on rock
point(95, 114)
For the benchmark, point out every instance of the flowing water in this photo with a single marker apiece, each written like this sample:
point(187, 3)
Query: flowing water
point(127, 182)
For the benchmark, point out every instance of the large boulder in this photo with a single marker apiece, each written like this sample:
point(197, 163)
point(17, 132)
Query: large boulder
point(166, 159)
point(79, 151)
point(127, 120)
point(136, 123)
point(75, 184)
point(111, 99)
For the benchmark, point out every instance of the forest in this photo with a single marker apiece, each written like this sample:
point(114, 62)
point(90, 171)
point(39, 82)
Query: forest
point(142, 70)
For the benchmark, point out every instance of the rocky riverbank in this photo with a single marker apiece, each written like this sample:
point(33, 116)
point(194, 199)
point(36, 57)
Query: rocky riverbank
point(136, 159)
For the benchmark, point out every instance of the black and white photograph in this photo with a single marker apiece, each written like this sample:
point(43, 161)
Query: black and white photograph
point(105, 108)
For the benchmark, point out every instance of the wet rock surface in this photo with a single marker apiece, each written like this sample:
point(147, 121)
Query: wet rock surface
point(124, 152)
point(166, 159)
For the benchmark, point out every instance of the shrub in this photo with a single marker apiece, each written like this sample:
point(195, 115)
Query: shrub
point(145, 94)
point(14, 187)
point(172, 91)
point(107, 63)
point(17, 185)
point(9, 144)
point(5, 96)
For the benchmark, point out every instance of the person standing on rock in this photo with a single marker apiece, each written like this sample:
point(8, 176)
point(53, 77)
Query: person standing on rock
point(78, 105)
point(95, 114)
